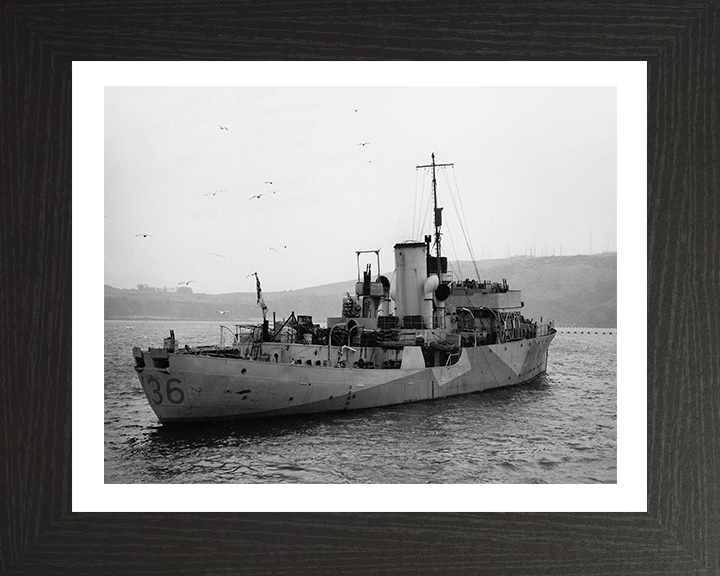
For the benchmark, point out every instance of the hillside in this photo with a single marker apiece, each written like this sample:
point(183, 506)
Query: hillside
point(572, 290)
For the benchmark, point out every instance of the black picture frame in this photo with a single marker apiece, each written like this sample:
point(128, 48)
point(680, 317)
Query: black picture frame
point(680, 533)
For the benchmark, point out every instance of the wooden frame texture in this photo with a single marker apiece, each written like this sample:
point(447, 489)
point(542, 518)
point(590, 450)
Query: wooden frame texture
point(680, 533)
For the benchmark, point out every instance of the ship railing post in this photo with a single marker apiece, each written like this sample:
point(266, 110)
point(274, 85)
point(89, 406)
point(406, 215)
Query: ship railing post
point(349, 341)
point(330, 342)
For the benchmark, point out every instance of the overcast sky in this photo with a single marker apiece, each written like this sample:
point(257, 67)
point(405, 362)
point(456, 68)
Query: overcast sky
point(532, 167)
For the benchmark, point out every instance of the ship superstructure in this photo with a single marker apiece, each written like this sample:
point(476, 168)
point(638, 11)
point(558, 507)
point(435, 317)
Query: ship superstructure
point(421, 336)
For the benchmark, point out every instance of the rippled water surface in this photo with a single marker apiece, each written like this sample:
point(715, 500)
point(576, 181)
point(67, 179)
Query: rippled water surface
point(559, 428)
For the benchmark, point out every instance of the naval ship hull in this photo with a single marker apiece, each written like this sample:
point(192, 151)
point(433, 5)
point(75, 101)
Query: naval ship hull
point(183, 387)
point(423, 335)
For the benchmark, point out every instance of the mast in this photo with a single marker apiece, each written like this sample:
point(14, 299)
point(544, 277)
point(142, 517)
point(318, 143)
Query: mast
point(438, 212)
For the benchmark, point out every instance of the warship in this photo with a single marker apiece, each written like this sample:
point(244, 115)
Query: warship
point(426, 335)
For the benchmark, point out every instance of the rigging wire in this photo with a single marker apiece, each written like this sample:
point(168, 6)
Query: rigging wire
point(462, 208)
point(462, 226)
point(418, 230)
point(425, 218)
point(417, 222)
point(462, 217)
point(402, 221)
point(416, 203)
point(459, 197)
point(458, 273)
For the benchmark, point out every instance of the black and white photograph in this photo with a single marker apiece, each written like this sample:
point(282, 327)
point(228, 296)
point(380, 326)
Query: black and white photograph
point(494, 225)
point(360, 285)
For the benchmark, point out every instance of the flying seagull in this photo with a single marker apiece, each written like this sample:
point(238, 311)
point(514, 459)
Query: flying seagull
point(256, 196)
point(223, 311)
point(186, 283)
point(268, 182)
point(363, 143)
point(216, 192)
point(222, 127)
point(143, 235)
point(218, 255)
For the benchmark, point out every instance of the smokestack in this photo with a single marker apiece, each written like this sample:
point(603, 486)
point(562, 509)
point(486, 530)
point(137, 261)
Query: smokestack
point(410, 276)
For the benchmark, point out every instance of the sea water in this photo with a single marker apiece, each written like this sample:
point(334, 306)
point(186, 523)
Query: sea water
point(559, 428)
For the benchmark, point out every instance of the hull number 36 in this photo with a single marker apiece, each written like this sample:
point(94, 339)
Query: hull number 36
point(172, 393)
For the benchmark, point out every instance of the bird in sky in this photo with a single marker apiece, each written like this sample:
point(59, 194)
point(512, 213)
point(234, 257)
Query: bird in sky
point(218, 255)
point(363, 143)
point(186, 283)
point(216, 192)
point(222, 127)
point(143, 235)
point(264, 194)
point(274, 249)
point(355, 109)
point(268, 182)
point(223, 311)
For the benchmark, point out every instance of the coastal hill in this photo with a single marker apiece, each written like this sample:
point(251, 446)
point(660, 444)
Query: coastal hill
point(571, 290)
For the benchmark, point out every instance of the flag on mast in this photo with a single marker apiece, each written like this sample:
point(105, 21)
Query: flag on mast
point(260, 300)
